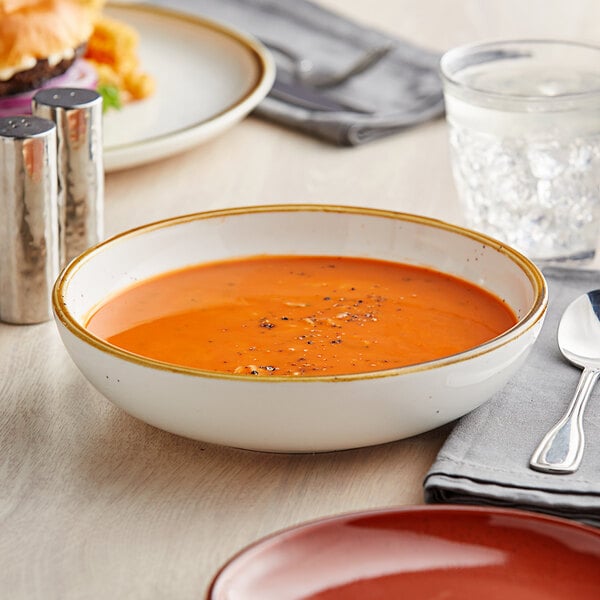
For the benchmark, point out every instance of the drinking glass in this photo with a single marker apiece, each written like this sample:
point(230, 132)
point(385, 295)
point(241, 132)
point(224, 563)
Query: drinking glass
point(524, 127)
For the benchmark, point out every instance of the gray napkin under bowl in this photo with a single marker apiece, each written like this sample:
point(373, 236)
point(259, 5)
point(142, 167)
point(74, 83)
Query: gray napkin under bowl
point(399, 91)
point(485, 460)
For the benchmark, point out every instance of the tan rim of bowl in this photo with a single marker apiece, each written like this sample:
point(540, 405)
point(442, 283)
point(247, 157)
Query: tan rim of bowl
point(529, 320)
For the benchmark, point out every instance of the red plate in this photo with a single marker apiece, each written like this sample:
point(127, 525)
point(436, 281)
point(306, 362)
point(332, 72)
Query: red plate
point(429, 552)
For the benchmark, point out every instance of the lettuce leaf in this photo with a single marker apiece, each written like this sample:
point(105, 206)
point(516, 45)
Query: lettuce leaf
point(111, 97)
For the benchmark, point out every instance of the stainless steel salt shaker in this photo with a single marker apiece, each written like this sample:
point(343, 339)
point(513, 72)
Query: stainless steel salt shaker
point(78, 117)
point(29, 255)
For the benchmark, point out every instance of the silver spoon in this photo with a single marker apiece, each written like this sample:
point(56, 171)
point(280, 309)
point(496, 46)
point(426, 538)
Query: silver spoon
point(561, 450)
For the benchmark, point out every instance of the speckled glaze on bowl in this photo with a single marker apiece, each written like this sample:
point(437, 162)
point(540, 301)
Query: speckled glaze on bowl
point(304, 414)
point(419, 553)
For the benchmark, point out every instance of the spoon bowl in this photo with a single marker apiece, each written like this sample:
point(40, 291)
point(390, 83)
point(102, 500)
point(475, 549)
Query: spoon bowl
point(579, 331)
point(561, 450)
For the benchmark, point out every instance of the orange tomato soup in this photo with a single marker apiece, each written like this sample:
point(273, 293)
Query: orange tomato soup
point(300, 316)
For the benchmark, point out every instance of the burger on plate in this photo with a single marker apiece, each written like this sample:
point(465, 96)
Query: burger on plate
point(48, 43)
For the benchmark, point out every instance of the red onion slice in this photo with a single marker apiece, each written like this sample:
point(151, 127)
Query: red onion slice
point(80, 75)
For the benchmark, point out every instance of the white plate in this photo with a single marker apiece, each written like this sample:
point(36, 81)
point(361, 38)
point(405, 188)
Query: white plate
point(208, 77)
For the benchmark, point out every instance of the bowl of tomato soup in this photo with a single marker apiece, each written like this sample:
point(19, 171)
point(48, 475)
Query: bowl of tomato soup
point(299, 328)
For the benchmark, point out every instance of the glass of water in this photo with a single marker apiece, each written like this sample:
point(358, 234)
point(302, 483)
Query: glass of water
point(524, 126)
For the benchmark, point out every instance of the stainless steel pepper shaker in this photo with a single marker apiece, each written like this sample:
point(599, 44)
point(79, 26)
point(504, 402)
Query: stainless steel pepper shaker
point(29, 255)
point(77, 114)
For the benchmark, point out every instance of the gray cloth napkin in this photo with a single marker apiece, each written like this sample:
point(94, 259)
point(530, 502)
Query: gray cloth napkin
point(485, 459)
point(401, 90)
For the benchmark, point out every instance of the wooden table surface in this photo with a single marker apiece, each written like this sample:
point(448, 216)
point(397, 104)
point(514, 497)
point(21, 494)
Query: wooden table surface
point(95, 504)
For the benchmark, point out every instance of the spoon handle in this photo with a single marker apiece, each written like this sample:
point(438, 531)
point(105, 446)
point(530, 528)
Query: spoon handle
point(561, 449)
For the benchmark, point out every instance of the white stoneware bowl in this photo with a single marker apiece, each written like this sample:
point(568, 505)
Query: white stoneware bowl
point(303, 414)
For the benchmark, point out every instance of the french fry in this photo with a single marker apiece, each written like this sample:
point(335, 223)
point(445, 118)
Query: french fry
point(112, 49)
